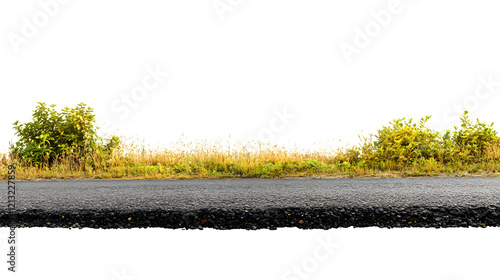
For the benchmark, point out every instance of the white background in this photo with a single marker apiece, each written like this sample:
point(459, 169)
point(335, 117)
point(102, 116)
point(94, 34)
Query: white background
point(355, 253)
point(229, 73)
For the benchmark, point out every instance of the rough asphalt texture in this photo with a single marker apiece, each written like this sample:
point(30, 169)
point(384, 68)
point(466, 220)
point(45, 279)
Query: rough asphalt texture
point(256, 203)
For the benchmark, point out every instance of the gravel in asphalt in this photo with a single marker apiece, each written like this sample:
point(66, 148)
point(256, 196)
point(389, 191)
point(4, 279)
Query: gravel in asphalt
point(256, 203)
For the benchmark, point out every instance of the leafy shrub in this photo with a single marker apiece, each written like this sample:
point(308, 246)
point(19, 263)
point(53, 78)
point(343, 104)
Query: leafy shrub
point(405, 141)
point(473, 138)
point(52, 134)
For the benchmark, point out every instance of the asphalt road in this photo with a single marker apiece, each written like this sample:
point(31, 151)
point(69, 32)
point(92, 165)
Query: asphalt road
point(256, 203)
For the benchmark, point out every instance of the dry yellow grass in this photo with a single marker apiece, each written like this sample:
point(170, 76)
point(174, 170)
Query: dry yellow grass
point(492, 152)
point(227, 159)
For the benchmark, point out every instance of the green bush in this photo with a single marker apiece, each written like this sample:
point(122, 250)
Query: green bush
point(51, 134)
point(406, 141)
point(473, 138)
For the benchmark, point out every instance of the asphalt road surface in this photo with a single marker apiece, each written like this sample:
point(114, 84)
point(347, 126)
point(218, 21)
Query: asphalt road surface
point(255, 203)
